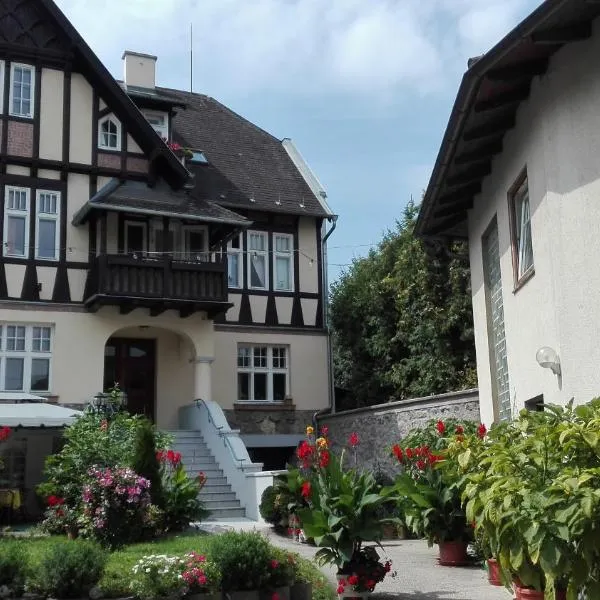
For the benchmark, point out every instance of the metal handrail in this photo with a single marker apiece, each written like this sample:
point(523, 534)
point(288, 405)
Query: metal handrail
point(225, 438)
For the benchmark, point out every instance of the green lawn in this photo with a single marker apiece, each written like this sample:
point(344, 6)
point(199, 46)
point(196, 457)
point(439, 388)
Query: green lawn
point(115, 582)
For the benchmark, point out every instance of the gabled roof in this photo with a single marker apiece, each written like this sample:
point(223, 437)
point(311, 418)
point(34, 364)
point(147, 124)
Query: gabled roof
point(161, 158)
point(160, 200)
point(485, 108)
point(248, 168)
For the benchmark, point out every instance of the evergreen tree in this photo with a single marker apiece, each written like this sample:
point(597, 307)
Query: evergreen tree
point(145, 461)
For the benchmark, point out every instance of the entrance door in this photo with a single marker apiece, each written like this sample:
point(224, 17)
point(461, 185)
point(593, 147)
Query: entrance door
point(132, 364)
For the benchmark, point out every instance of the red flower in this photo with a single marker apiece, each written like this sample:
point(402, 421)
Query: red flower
point(481, 431)
point(460, 429)
point(176, 458)
point(324, 459)
point(275, 596)
point(397, 452)
point(55, 501)
point(324, 430)
point(441, 427)
point(353, 579)
point(340, 588)
point(274, 564)
point(201, 478)
point(161, 455)
point(304, 451)
point(353, 440)
point(4, 433)
point(305, 490)
point(420, 464)
point(371, 584)
point(409, 453)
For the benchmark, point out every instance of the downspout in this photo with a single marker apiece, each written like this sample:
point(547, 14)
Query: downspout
point(325, 287)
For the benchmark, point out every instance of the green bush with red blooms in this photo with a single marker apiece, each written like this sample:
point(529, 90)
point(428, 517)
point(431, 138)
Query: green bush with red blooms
point(430, 484)
point(343, 508)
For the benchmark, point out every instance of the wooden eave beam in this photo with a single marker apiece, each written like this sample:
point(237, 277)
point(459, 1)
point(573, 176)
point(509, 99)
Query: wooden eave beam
point(458, 195)
point(497, 127)
point(563, 35)
point(504, 99)
point(480, 154)
point(516, 71)
point(472, 174)
point(452, 209)
point(157, 310)
point(447, 224)
point(184, 313)
point(125, 309)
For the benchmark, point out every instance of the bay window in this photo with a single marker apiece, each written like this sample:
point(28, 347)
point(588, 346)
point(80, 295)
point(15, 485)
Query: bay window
point(283, 245)
point(258, 263)
point(25, 353)
point(16, 222)
point(47, 225)
point(263, 374)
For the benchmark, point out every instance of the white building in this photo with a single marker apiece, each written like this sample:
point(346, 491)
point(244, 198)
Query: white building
point(518, 176)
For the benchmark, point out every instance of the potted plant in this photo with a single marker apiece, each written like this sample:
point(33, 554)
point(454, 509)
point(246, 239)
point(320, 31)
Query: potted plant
point(430, 487)
point(301, 587)
point(202, 578)
point(343, 509)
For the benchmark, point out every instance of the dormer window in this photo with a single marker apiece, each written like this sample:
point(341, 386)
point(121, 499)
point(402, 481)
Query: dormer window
point(159, 122)
point(109, 134)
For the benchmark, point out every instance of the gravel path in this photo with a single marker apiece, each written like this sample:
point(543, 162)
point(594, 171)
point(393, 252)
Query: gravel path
point(419, 577)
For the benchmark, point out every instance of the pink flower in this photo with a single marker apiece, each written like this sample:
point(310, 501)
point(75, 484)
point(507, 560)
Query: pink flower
point(274, 564)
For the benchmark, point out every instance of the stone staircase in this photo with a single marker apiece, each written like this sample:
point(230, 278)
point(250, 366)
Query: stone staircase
point(217, 495)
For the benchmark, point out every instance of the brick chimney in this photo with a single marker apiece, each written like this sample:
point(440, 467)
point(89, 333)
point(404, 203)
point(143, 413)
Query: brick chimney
point(139, 69)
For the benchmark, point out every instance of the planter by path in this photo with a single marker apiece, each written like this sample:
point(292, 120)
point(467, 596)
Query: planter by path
point(524, 593)
point(213, 596)
point(246, 595)
point(283, 593)
point(453, 554)
point(350, 595)
point(301, 591)
point(494, 572)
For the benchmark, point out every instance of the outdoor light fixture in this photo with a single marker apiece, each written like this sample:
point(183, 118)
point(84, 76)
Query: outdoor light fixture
point(548, 358)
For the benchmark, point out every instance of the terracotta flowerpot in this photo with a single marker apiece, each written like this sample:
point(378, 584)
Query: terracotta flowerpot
point(453, 554)
point(283, 593)
point(249, 595)
point(204, 596)
point(494, 572)
point(301, 591)
point(525, 593)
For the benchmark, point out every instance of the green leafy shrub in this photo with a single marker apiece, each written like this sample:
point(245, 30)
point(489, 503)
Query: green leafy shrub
point(68, 569)
point(245, 560)
point(158, 576)
point(13, 566)
point(145, 462)
point(268, 511)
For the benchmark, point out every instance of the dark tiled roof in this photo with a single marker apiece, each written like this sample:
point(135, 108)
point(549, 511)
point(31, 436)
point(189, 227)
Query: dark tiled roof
point(158, 200)
point(246, 162)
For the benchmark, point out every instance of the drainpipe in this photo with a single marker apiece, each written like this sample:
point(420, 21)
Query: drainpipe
point(325, 287)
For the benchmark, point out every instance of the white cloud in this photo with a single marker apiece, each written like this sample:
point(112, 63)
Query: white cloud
point(375, 48)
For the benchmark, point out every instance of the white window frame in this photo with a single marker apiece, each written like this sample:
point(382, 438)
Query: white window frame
point(11, 112)
point(289, 255)
point(251, 253)
point(116, 121)
point(163, 131)
point(269, 370)
point(156, 229)
point(17, 213)
point(239, 252)
point(47, 217)
point(186, 254)
point(28, 355)
point(142, 225)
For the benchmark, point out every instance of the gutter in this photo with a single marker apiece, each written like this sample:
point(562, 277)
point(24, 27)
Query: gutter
point(325, 287)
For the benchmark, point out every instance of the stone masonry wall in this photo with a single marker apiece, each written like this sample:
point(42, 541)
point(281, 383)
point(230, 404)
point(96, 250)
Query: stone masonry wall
point(382, 425)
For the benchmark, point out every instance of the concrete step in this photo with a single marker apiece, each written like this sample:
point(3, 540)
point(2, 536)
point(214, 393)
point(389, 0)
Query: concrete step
point(210, 474)
point(216, 504)
point(226, 512)
point(196, 455)
point(225, 497)
point(216, 481)
point(200, 464)
point(211, 487)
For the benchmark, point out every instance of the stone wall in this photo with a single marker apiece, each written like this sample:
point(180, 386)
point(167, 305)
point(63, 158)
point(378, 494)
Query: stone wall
point(269, 420)
point(382, 425)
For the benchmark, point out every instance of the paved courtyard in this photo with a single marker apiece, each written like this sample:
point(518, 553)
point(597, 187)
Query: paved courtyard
point(419, 577)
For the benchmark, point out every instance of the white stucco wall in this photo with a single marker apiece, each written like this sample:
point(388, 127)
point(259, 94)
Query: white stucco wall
point(557, 137)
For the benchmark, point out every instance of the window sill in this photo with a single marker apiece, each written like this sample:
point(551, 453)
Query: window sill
point(524, 279)
point(109, 149)
point(273, 406)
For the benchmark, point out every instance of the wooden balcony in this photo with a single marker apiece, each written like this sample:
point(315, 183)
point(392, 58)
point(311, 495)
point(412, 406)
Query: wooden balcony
point(159, 284)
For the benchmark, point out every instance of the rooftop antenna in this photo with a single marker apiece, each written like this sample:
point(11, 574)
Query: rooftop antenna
point(191, 58)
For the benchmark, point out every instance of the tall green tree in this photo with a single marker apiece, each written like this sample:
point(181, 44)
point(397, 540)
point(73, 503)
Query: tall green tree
point(401, 320)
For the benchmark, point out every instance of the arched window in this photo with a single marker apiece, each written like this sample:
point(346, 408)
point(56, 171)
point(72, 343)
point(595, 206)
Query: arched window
point(109, 134)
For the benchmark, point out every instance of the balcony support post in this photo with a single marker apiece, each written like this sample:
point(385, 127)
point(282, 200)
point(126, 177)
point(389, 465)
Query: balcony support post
point(202, 377)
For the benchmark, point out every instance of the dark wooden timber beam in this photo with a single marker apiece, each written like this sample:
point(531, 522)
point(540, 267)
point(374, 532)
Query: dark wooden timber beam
point(452, 209)
point(521, 70)
point(497, 127)
point(480, 154)
point(500, 100)
point(125, 309)
point(473, 174)
point(184, 313)
point(157, 310)
point(461, 194)
point(562, 35)
point(447, 224)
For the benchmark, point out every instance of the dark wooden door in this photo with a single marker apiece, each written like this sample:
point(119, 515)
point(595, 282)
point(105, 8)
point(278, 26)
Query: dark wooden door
point(132, 364)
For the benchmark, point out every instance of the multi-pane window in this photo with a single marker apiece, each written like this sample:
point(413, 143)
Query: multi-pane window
point(258, 263)
point(159, 122)
point(195, 243)
point(25, 353)
point(283, 246)
point(234, 262)
point(263, 373)
point(16, 222)
point(520, 219)
point(109, 134)
point(47, 225)
point(22, 81)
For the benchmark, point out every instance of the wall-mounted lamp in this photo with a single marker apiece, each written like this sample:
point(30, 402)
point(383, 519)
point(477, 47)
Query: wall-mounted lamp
point(548, 358)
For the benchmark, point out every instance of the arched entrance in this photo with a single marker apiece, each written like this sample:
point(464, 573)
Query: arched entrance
point(131, 362)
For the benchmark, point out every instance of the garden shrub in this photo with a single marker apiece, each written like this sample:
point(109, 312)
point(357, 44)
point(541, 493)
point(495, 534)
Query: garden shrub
point(68, 569)
point(244, 559)
point(13, 566)
point(158, 576)
point(268, 511)
point(145, 462)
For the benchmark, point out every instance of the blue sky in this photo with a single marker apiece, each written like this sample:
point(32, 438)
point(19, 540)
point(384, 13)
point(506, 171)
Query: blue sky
point(364, 88)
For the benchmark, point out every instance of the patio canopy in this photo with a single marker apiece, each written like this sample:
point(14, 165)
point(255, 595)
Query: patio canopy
point(36, 414)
